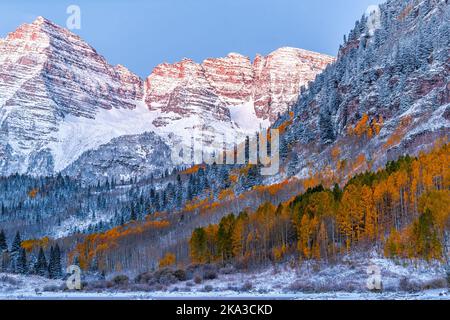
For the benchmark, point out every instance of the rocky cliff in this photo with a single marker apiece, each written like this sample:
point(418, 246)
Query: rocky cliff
point(60, 99)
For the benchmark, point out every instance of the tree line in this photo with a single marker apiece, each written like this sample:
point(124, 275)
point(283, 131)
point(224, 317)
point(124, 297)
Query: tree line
point(402, 209)
point(20, 258)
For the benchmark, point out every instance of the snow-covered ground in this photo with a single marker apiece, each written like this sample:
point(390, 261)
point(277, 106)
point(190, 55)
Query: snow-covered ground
point(343, 281)
point(231, 295)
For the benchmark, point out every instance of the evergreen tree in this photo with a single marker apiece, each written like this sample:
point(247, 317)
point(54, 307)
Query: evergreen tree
point(252, 179)
point(16, 245)
point(133, 216)
point(156, 202)
point(22, 266)
point(224, 177)
point(50, 262)
point(41, 264)
point(3, 244)
point(15, 252)
point(54, 266)
point(337, 192)
point(57, 265)
point(247, 149)
point(326, 127)
point(189, 194)
point(5, 260)
point(293, 164)
point(284, 147)
point(164, 200)
point(179, 192)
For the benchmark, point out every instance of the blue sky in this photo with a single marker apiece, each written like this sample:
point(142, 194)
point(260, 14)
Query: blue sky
point(140, 34)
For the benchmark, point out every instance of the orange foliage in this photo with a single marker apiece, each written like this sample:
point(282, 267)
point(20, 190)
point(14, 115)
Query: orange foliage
point(234, 178)
point(335, 153)
point(321, 224)
point(282, 128)
point(33, 244)
point(359, 163)
point(196, 204)
point(366, 128)
point(311, 182)
point(94, 245)
point(33, 193)
point(193, 169)
point(399, 133)
point(272, 189)
point(168, 260)
point(225, 194)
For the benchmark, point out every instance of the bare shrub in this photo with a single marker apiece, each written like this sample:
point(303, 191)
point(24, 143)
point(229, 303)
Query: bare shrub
point(100, 284)
point(180, 275)
point(248, 286)
point(51, 288)
point(301, 286)
point(209, 275)
point(209, 271)
point(165, 276)
point(192, 270)
point(158, 287)
point(167, 279)
point(437, 283)
point(409, 285)
point(198, 279)
point(208, 288)
point(144, 277)
point(308, 286)
point(121, 280)
point(229, 269)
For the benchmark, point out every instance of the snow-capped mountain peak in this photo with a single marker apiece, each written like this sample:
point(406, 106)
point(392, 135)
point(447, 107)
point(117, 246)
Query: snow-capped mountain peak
point(59, 98)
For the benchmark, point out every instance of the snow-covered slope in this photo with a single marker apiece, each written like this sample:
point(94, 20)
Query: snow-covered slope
point(59, 98)
point(49, 80)
point(123, 157)
point(392, 75)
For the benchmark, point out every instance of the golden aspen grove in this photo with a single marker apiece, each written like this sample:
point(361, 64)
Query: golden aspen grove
point(403, 208)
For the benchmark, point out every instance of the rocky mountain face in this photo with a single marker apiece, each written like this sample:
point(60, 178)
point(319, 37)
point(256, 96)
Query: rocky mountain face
point(48, 75)
point(280, 76)
point(123, 157)
point(271, 83)
point(59, 98)
point(388, 94)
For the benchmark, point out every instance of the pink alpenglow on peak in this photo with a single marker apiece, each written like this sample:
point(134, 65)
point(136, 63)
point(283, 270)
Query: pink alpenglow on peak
point(49, 79)
point(279, 77)
point(271, 83)
point(60, 98)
